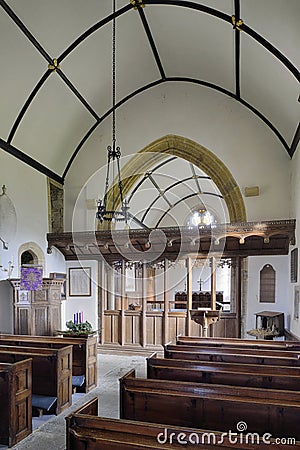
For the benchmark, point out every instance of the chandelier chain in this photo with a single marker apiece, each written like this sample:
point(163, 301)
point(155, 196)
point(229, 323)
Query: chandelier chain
point(105, 213)
point(114, 78)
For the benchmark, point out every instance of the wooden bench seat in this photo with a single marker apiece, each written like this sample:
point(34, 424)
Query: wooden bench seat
point(237, 342)
point(231, 355)
point(51, 371)
point(268, 377)
point(15, 401)
point(86, 430)
point(214, 407)
point(84, 363)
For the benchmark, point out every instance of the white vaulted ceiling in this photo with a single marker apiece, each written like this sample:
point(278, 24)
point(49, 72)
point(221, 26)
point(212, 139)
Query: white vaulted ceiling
point(46, 115)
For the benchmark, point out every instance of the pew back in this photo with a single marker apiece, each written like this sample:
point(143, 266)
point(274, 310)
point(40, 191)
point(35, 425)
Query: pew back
point(230, 355)
point(51, 371)
point(268, 377)
point(15, 401)
point(215, 407)
point(84, 352)
point(237, 342)
point(85, 430)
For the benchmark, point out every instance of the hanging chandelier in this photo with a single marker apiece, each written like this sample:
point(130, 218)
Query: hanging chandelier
point(106, 207)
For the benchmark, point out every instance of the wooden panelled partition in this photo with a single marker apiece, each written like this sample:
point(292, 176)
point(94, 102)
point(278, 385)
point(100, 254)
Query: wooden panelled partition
point(133, 322)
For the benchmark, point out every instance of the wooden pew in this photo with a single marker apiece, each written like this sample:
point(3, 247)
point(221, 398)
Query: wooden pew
point(232, 355)
point(84, 353)
point(15, 402)
point(268, 377)
point(212, 407)
point(51, 371)
point(87, 431)
point(238, 343)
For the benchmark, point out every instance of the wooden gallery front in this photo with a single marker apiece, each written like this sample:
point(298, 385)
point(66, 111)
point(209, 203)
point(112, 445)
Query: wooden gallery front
point(151, 282)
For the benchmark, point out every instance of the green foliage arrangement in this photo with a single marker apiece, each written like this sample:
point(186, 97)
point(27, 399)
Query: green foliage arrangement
point(79, 329)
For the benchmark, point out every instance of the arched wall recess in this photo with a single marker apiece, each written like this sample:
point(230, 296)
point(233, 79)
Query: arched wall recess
point(194, 153)
point(32, 247)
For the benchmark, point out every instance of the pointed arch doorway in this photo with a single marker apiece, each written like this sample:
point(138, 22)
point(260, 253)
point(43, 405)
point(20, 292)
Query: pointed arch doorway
point(208, 162)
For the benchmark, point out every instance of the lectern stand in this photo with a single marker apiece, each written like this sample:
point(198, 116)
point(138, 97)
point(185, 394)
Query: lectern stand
point(205, 318)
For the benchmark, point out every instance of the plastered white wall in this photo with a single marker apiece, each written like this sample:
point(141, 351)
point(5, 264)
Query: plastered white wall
point(295, 212)
point(89, 305)
point(281, 266)
point(27, 189)
point(243, 142)
point(6, 307)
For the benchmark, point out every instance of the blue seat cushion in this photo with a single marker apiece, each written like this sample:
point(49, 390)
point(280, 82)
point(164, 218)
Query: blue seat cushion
point(78, 380)
point(43, 401)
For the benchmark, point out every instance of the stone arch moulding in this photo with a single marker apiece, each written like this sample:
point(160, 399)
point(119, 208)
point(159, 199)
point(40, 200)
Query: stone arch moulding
point(36, 249)
point(196, 154)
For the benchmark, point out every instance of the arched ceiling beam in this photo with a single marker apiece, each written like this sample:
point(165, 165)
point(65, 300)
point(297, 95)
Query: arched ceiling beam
point(87, 33)
point(30, 161)
point(245, 28)
point(41, 82)
point(178, 79)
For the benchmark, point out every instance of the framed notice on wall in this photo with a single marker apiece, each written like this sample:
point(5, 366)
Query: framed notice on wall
point(80, 284)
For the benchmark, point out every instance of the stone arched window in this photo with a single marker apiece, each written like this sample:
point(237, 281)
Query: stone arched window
point(31, 253)
point(267, 284)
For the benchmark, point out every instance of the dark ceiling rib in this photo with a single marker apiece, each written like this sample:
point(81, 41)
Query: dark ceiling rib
point(267, 122)
point(92, 129)
point(227, 18)
point(172, 186)
point(295, 141)
point(77, 94)
point(182, 200)
point(30, 161)
point(243, 102)
point(176, 79)
point(152, 43)
point(237, 50)
point(285, 61)
point(25, 30)
point(26, 105)
point(48, 58)
point(92, 30)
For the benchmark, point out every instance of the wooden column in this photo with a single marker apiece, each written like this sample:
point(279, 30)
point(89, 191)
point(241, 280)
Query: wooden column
point(166, 305)
point(150, 275)
point(189, 284)
point(238, 281)
point(111, 297)
point(213, 287)
point(102, 299)
point(123, 298)
point(144, 304)
point(213, 283)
